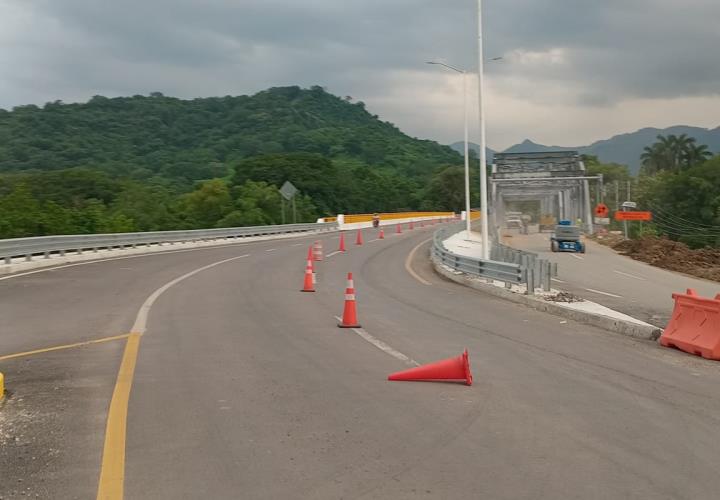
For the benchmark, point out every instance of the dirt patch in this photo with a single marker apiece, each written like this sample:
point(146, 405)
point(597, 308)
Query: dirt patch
point(668, 254)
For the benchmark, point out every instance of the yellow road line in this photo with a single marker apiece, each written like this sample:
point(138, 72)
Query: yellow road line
point(112, 471)
point(62, 347)
point(408, 263)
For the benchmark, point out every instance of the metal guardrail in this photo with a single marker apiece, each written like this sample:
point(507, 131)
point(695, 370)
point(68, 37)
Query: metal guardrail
point(501, 271)
point(539, 272)
point(509, 265)
point(47, 245)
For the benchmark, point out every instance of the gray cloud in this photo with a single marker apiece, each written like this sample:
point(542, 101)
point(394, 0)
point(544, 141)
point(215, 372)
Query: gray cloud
point(556, 52)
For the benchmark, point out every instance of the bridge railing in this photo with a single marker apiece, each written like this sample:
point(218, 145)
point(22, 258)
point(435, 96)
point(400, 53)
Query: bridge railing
point(47, 245)
point(509, 265)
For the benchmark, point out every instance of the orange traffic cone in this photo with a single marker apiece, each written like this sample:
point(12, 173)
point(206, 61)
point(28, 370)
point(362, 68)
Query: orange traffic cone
point(349, 318)
point(359, 240)
point(317, 251)
point(381, 236)
point(309, 284)
point(398, 229)
point(341, 248)
point(447, 369)
point(411, 225)
point(311, 258)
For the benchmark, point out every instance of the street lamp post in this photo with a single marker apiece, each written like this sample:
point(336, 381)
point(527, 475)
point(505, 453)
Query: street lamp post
point(467, 152)
point(483, 159)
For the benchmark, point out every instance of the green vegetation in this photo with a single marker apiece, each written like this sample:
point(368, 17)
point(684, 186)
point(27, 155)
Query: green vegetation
point(673, 154)
point(154, 163)
point(680, 184)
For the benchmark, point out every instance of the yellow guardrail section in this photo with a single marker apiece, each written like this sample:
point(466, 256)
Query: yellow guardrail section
point(349, 219)
point(2, 386)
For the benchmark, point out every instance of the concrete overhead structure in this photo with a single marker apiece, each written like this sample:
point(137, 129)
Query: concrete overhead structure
point(556, 179)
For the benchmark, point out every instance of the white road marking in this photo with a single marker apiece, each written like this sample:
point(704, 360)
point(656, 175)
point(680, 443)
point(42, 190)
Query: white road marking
point(383, 346)
point(331, 254)
point(576, 256)
point(297, 244)
point(142, 315)
point(559, 281)
point(604, 293)
point(629, 275)
point(270, 250)
point(376, 239)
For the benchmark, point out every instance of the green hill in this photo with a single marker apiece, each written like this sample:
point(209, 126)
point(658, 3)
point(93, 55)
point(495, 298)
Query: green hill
point(199, 139)
point(153, 163)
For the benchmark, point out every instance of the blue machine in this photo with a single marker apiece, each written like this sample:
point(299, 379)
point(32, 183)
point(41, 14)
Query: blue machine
point(566, 238)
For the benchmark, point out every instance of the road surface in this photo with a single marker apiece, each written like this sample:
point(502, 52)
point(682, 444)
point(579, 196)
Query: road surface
point(618, 282)
point(245, 388)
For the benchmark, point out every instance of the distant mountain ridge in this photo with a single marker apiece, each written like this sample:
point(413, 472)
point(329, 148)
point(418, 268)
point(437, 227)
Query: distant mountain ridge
point(623, 148)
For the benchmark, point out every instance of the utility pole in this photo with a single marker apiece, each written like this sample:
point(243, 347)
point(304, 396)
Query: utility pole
point(617, 195)
point(483, 159)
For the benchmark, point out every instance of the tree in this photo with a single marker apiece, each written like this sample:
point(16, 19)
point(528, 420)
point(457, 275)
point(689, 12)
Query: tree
point(672, 154)
point(693, 219)
point(446, 190)
point(208, 204)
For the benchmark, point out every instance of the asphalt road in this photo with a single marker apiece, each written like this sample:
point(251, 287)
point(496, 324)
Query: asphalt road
point(619, 282)
point(246, 388)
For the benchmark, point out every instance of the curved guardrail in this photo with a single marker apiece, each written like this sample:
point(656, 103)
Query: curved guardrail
point(511, 266)
point(46, 245)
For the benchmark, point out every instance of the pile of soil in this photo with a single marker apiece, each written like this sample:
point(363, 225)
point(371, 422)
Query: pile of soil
point(672, 255)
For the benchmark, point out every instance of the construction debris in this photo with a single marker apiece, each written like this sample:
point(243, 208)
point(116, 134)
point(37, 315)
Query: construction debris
point(564, 297)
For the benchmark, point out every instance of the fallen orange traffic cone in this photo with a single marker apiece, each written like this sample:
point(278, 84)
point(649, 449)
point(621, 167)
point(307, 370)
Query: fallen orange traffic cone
point(349, 318)
point(359, 240)
point(456, 369)
point(381, 236)
point(341, 248)
point(309, 284)
point(398, 229)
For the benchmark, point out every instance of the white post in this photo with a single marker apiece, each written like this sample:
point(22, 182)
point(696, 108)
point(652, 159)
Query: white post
point(483, 159)
point(467, 158)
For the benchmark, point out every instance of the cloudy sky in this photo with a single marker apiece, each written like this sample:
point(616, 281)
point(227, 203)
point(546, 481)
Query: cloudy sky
point(573, 71)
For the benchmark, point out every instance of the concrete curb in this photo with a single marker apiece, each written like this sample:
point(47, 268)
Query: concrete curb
point(627, 328)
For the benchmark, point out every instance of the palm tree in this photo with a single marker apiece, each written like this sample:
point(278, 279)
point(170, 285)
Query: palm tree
point(652, 159)
point(673, 153)
point(695, 154)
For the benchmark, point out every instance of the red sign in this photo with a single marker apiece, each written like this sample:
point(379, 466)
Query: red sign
point(646, 216)
point(601, 210)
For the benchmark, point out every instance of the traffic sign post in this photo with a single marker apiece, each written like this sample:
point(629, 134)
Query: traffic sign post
point(601, 210)
point(288, 192)
point(602, 214)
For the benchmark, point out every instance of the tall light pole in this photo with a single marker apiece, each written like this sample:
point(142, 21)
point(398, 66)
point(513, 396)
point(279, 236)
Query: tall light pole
point(467, 155)
point(483, 159)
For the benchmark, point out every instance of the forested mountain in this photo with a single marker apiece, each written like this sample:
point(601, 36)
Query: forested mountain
point(201, 138)
point(154, 162)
